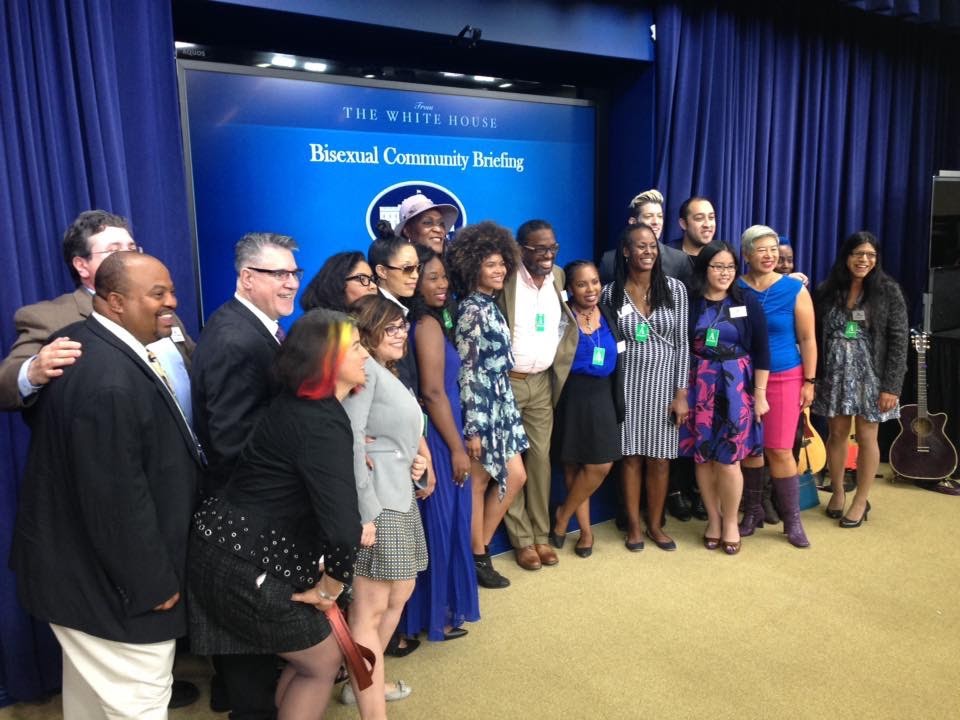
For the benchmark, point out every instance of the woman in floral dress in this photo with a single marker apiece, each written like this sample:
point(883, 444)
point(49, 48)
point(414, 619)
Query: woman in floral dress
point(480, 259)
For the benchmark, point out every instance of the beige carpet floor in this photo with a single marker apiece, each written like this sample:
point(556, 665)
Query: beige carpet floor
point(864, 624)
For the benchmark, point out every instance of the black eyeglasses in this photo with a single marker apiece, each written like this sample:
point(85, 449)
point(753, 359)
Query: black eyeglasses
point(394, 330)
point(281, 274)
point(407, 270)
point(543, 251)
point(362, 278)
point(135, 248)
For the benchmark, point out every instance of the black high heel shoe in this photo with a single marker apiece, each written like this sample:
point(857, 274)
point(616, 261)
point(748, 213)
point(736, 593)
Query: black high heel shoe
point(846, 522)
point(834, 514)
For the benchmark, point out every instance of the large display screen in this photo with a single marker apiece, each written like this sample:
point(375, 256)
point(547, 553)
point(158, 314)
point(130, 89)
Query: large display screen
point(323, 159)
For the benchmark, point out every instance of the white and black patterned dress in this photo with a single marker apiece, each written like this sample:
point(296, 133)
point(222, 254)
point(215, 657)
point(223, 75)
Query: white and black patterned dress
point(653, 371)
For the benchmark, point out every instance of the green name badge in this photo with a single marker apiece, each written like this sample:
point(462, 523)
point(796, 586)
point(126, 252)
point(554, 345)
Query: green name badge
point(642, 333)
point(713, 337)
point(447, 320)
point(426, 425)
point(541, 322)
point(598, 355)
point(850, 330)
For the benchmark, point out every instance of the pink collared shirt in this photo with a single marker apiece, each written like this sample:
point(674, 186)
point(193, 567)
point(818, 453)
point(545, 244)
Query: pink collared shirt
point(536, 323)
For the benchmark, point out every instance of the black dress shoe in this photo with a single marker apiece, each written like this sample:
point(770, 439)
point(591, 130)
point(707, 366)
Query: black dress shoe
point(394, 648)
point(454, 633)
point(697, 509)
point(678, 506)
point(583, 552)
point(184, 693)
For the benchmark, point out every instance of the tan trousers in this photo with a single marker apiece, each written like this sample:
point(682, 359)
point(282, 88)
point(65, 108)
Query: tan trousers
point(104, 679)
point(528, 518)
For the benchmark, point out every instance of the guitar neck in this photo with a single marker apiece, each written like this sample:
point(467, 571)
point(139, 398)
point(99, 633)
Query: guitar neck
point(921, 384)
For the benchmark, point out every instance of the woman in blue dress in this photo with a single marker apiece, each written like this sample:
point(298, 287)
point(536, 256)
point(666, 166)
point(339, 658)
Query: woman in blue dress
point(729, 367)
point(446, 593)
point(480, 259)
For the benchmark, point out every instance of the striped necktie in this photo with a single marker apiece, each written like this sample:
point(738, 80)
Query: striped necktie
point(158, 369)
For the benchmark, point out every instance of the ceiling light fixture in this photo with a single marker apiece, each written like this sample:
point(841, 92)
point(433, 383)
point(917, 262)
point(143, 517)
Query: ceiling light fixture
point(315, 66)
point(284, 61)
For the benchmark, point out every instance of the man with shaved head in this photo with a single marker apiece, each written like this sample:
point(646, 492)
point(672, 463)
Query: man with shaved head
point(100, 543)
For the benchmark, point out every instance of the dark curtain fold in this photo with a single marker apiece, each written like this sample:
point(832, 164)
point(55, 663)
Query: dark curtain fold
point(816, 126)
point(88, 118)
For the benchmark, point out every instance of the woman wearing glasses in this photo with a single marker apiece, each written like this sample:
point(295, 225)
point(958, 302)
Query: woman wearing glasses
point(388, 435)
point(424, 222)
point(480, 259)
point(863, 332)
point(396, 269)
point(790, 388)
point(344, 278)
point(729, 365)
point(652, 316)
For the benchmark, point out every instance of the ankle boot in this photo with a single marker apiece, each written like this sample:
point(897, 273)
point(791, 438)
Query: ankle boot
point(752, 501)
point(788, 500)
point(770, 516)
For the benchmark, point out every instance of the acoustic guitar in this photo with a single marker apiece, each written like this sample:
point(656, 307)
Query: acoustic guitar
point(813, 453)
point(922, 451)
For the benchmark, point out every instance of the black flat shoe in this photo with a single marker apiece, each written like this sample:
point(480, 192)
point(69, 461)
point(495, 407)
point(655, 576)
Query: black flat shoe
point(583, 551)
point(454, 633)
point(669, 545)
point(557, 540)
point(697, 508)
point(633, 547)
point(393, 648)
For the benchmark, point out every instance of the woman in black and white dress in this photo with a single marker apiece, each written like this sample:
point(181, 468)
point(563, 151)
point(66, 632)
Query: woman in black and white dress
point(652, 315)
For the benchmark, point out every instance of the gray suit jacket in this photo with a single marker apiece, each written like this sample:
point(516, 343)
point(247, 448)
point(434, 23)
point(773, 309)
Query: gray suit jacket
point(386, 411)
point(37, 323)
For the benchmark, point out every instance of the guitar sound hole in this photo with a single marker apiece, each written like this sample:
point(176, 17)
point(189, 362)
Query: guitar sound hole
point(921, 426)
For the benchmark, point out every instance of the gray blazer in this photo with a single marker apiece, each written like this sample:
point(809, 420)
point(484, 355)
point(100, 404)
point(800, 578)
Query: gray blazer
point(386, 411)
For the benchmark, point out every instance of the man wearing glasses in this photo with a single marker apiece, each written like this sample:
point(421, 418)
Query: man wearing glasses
point(32, 362)
point(544, 340)
point(231, 388)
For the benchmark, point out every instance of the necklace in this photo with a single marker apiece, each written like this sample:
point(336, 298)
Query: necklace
point(645, 296)
point(587, 317)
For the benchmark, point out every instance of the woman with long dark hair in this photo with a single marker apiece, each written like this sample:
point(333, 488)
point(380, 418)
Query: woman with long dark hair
point(480, 259)
point(729, 367)
point(591, 406)
point(343, 279)
point(863, 333)
point(652, 316)
point(446, 593)
point(254, 574)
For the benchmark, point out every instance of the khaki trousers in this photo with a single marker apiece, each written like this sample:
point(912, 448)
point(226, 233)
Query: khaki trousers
point(528, 518)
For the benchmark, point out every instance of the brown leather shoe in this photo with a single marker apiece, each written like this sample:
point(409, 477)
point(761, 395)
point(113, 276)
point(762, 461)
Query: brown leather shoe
point(527, 558)
point(546, 554)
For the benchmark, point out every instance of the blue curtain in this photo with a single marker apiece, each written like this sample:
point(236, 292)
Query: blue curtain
point(88, 118)
point(816, 126)
point(945, 13)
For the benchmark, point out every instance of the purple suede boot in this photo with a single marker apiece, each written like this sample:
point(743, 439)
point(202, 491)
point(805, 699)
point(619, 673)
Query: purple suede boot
point(752, 501)
point(788, 501)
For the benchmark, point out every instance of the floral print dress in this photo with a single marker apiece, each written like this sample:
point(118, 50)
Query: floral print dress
point(489, 409)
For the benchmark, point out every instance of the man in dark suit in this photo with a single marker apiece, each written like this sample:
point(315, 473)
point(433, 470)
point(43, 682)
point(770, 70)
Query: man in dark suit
point(231, 388)
point(647, 207)
point(33, 361)
point(100, 543)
